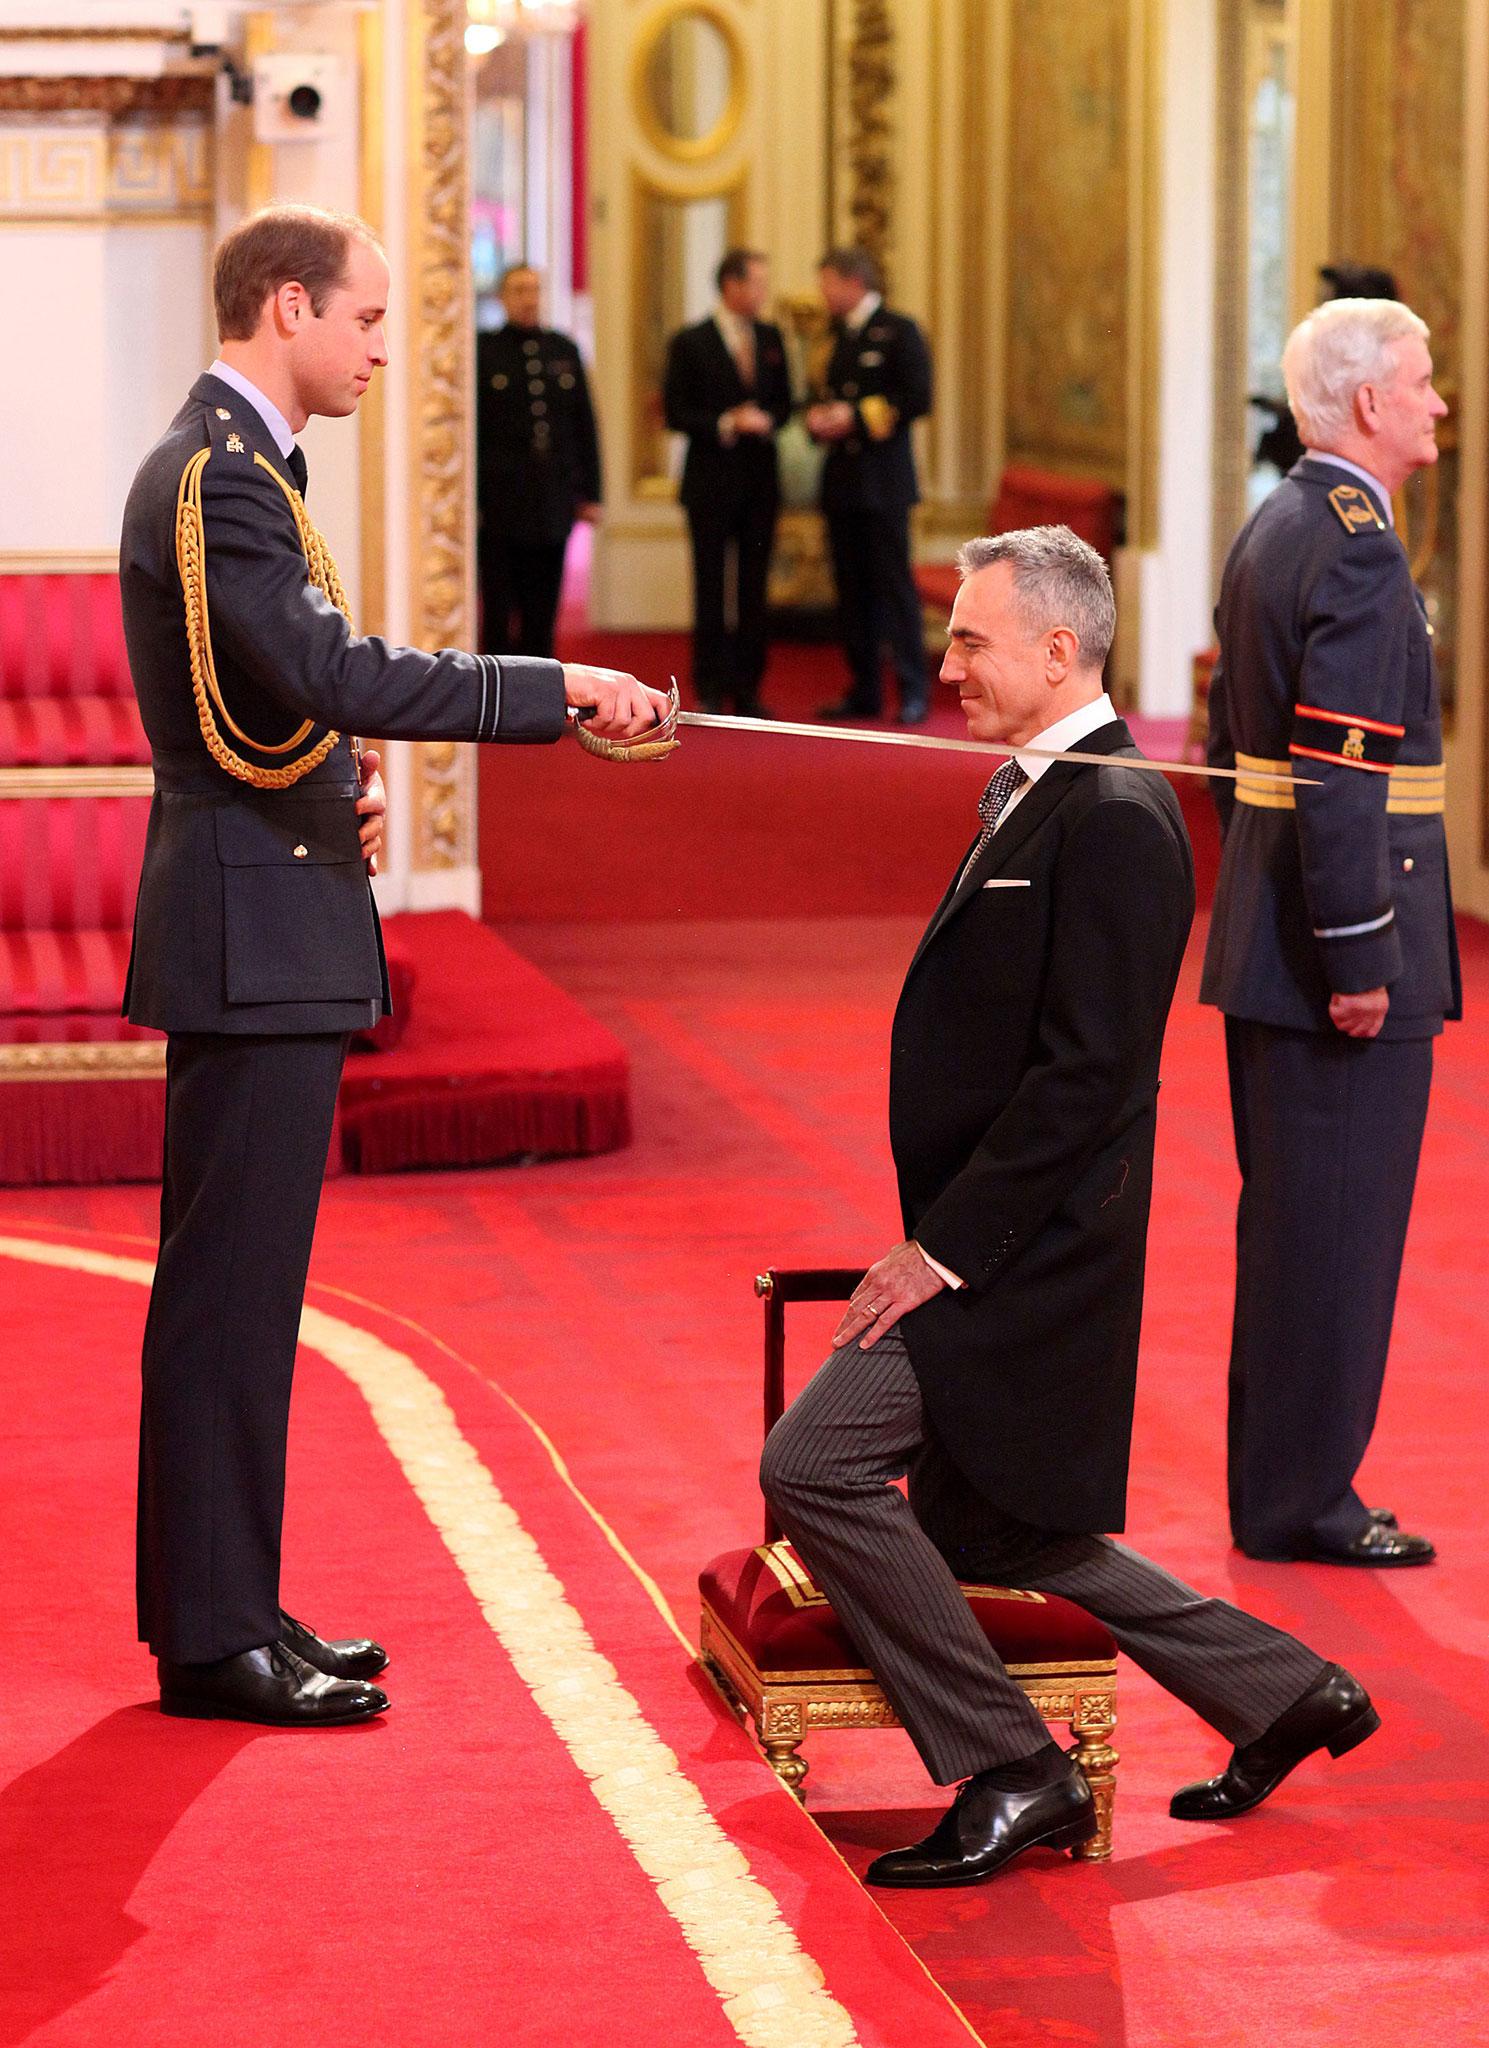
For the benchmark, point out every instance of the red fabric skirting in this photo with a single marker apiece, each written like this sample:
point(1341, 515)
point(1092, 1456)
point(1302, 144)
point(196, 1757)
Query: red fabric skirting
point(449, 1121)
point(79, 1132)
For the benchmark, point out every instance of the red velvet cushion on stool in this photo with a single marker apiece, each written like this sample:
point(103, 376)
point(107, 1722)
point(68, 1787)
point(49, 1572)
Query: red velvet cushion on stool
point(767, 1601)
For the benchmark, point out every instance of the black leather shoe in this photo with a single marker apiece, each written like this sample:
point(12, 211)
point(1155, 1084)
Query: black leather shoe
point(848, 709)
point(271, 1685)
point(1381, 1544)
point(1384, 1516)
point(986, 1828)
point(1334, 1714)
point(915, 712)
point(361, 1658)
point(751, 707)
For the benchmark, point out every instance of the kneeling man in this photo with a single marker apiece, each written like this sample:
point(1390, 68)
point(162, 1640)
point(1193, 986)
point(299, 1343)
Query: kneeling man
point(992, 1357)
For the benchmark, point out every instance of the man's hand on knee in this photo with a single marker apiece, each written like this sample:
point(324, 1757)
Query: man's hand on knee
point(895, 1284)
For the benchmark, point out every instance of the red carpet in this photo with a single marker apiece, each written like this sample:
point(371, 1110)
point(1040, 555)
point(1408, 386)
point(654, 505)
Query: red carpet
point(195, 1883)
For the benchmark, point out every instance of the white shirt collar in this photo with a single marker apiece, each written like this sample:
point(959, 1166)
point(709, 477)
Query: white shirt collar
point(1377, 488)
point(266, 409)
point(863, 312)
point(1068, 731)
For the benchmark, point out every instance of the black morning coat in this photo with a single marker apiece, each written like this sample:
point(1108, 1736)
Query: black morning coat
point(537, 444)
point(254, 911)
point(1326, 664)
point(702, 383)
point(1023, 1096)
point(886, 358)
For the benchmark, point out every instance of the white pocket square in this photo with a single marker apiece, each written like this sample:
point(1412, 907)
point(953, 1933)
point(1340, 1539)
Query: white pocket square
point(1008, 882)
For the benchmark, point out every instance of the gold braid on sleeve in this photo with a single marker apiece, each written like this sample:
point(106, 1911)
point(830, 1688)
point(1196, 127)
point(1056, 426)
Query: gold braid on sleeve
point(211, 710)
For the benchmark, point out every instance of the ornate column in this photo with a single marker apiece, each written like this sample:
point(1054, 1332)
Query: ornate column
point(443, 868)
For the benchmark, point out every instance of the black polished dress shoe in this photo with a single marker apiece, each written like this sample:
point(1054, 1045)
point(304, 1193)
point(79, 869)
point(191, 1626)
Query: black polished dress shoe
point(986, 1828)
point(915, 712)
point(361, 1658)
point(271, 1685)
point(1334, 1714)
point(1384, 1516)
point(848, 709)
point(1380, 1544)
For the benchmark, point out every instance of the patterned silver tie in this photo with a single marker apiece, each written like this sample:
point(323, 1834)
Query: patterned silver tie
point(991, 805)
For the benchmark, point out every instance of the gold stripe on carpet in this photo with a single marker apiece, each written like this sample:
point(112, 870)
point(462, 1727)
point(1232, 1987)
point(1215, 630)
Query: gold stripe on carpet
point(772, 1993)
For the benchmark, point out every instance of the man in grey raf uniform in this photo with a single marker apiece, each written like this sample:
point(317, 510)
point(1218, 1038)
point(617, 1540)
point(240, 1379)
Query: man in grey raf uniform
point(537, 468)
point(256, 944)
point(1332, 949)
point(878, 383)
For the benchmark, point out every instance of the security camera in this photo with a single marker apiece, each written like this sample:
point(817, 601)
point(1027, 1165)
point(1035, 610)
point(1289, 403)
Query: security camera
point(300, 97)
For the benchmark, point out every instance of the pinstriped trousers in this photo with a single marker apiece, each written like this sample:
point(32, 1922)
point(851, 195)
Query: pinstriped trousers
point(890, 1568)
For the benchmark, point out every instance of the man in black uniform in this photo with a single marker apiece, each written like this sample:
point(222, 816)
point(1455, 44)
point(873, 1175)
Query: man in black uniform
point(878, 382)
point(728, 388)
point(1332, 949)
point(256, 943)
point(537, 468)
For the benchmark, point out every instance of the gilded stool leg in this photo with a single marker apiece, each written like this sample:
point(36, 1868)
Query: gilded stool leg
point(1092, 1725)
point(782, 1727)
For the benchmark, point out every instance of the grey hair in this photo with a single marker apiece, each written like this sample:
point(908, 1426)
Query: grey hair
point(1058, 580)
point(1341, 345)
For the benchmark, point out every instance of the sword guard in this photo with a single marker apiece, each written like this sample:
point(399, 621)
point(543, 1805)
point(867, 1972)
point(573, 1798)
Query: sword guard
point(655, 744)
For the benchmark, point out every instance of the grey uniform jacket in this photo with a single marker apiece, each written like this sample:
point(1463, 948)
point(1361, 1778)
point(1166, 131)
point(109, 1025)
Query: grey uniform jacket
point(1326, 665)
point(254, 911)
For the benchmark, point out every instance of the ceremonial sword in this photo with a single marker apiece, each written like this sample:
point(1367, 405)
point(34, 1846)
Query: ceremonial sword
point(785, 728)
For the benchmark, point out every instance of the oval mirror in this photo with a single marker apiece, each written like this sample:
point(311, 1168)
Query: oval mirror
point(689, 84)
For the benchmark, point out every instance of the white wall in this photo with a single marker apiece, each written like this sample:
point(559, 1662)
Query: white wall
point(1175, 577)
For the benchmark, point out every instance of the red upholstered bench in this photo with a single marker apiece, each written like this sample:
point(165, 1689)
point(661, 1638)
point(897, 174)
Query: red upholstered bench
point(1033, 497)
point(769, 1638)
point(65, 694)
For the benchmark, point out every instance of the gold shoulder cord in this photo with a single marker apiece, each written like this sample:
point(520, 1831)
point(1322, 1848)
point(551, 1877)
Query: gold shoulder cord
point(191, 561)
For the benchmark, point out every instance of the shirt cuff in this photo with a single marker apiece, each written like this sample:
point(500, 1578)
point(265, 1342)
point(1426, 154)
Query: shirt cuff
point(953, 1280)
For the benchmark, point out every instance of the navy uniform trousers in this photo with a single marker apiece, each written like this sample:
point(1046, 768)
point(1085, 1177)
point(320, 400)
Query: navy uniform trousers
point(248, 1124)
point(1328, 1133)
point(890, 1566)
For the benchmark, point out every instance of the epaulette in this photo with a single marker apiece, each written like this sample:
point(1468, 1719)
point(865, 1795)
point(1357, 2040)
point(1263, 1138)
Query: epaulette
point(191, 563)
point(1356, 509)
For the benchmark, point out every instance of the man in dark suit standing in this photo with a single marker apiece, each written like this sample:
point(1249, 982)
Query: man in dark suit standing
point(537, 468)
point(1332, 947)
point(256, 942)
point(728, 388)
point(877, 384)
point(992, 1356)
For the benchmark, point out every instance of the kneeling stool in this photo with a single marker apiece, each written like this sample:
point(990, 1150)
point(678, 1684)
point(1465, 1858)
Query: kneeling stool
point(772, 1644)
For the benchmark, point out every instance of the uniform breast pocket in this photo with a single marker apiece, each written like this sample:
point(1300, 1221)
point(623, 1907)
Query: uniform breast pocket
point(297, 914)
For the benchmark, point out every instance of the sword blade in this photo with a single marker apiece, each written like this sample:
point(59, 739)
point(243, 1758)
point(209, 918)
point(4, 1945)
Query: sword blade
point(865, 736)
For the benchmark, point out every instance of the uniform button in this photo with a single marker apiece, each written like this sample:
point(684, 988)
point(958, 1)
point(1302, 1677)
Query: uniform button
point(567, 382)
point(536, 386)
point(539, 408)
point(499, 383)
point(529, 348)
point(302, 853)
point(1407, 865)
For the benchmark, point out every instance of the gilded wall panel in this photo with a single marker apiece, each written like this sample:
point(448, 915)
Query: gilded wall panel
point(1069, 198)
point(1398, 201)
